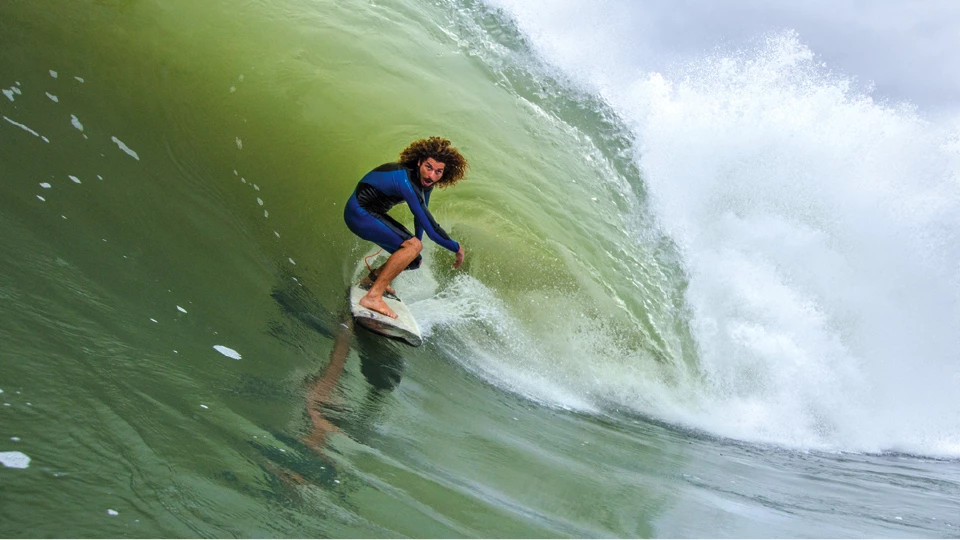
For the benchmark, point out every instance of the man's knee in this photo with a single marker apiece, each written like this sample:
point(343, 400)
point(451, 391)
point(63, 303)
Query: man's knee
point(414, 244)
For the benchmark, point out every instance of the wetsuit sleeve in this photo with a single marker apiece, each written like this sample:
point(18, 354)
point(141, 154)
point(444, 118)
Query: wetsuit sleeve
point(422, 216)
point(416, 223)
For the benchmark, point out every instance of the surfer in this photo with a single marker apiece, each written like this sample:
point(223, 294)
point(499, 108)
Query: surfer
point(425, 164)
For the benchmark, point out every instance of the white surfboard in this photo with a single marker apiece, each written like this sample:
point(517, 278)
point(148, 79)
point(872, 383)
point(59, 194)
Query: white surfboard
point(404, 327)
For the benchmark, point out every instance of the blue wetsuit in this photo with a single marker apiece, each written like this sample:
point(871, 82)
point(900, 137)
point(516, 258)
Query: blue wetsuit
point(380, 190)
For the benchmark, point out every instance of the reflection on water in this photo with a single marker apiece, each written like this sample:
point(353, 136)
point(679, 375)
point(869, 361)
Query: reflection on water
point(290, 474)
point(381, 363)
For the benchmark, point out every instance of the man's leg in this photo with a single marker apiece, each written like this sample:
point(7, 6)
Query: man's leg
point(399, 260)
point(366, 281)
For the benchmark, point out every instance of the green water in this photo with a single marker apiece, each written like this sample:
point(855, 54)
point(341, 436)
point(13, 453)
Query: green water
point(251, 124)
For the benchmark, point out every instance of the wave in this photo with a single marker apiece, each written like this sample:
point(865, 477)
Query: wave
point(815, 252)
point(746, 244)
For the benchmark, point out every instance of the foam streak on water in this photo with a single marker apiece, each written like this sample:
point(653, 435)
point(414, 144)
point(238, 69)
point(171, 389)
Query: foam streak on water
point(227, 351)
point(125, 148)
point(23, 127)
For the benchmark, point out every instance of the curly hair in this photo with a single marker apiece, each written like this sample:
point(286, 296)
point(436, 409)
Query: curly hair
point(439, 149)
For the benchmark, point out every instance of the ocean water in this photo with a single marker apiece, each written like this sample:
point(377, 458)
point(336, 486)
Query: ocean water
point(719, 300)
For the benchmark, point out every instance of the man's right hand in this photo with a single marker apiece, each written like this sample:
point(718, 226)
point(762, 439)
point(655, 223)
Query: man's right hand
point(459, 261)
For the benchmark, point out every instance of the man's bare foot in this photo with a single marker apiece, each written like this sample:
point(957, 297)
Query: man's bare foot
point(377, 305)
point(366, 283)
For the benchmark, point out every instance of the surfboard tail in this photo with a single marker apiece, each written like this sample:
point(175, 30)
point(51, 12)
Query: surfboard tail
point(403, 328)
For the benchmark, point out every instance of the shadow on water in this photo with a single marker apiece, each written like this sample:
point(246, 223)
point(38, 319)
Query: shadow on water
point(381, 364)
point(381, 361)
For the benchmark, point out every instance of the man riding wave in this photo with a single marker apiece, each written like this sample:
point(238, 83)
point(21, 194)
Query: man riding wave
point(425, 164)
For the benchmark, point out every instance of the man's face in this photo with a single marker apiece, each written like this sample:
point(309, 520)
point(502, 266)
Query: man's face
point(431, 171)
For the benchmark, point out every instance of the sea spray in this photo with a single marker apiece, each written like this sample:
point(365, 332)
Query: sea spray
point(817, 228)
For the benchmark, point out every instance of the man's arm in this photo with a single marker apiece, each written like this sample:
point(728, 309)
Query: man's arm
point(416, 222)
point(425, 219)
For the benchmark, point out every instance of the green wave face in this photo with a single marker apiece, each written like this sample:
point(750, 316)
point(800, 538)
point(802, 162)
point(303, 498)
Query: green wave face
point(566, 277)
point(175, 263)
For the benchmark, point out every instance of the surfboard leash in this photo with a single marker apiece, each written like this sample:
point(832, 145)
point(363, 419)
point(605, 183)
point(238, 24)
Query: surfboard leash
point(366, 262)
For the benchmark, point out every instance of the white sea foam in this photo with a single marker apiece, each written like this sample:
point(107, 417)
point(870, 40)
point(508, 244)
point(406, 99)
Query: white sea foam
point(9, 94)
point(53, 98)
point(125, 148)
point(53, 74)
point(76, 122)
point(499, 347)
point(818, 228)
point(14, 460)
point(23, 127)
point(227, 351)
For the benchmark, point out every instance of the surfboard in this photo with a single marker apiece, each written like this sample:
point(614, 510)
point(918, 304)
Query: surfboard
point(403, 328)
